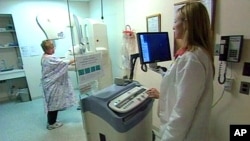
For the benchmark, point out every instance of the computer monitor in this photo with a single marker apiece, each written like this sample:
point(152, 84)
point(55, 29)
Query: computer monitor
point(153, 47)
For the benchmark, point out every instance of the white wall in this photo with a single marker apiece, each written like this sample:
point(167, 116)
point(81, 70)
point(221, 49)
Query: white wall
point(231, 18)
point(29, 34)
point(114, 19)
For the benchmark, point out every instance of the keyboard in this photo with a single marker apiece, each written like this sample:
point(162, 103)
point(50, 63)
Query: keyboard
point(129, 100)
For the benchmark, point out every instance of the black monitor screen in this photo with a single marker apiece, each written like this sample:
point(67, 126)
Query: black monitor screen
point(153, 47)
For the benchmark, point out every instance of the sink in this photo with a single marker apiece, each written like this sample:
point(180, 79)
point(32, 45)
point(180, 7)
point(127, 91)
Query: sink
point(9, 69)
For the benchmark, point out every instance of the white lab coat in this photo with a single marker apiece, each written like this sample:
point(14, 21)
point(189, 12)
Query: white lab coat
point(186, 98)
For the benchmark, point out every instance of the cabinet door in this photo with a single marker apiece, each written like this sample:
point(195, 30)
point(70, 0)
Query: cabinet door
point(10, 56)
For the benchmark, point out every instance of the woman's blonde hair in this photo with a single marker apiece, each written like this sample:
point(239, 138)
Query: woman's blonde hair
point(46, 44)
point(198, 31)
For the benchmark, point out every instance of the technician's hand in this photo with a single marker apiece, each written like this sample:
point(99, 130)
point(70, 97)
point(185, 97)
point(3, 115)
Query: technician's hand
point(72, 62)
point(153, 93)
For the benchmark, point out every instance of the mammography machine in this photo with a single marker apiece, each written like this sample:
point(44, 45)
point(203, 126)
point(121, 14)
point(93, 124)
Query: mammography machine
point(88, 36)
point(118, 113)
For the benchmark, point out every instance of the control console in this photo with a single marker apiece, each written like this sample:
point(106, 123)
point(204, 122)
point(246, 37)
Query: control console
point(129, 100)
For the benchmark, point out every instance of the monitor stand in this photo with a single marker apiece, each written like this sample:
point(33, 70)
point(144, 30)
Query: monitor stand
point(153, 65)
point(158, 69)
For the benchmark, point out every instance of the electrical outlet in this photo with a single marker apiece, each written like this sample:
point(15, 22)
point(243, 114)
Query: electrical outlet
point(246, 69)
point(228, 84)
point(244, 87)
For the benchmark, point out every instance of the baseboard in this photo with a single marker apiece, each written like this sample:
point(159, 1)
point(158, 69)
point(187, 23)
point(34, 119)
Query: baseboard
point(37, 97)
point(4, 99)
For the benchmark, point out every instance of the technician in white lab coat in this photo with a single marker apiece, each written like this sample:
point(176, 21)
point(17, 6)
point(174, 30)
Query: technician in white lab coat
point(186, 91)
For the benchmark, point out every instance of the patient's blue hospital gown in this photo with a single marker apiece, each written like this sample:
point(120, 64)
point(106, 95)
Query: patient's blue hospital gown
point(58, 90)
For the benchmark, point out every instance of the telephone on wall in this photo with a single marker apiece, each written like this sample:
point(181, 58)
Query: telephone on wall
point(230, 51)
point(230, 48)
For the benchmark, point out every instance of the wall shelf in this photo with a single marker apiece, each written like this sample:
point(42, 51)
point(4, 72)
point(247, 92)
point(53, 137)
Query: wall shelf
point(7, 31)
point(12, 74)
point(8, 47)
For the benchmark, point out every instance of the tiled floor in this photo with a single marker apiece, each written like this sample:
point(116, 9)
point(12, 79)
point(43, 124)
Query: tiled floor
point(26, 121)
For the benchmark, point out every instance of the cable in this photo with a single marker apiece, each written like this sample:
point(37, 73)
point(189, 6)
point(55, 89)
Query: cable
point(224, 74)
point(144, 67)
point(222, 94)
point(41, 27)
point(102, 10)
point(230, 67)
point(217, 101)
point(133, 58)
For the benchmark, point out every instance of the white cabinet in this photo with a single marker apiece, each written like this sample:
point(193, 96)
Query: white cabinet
point(12, 75)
